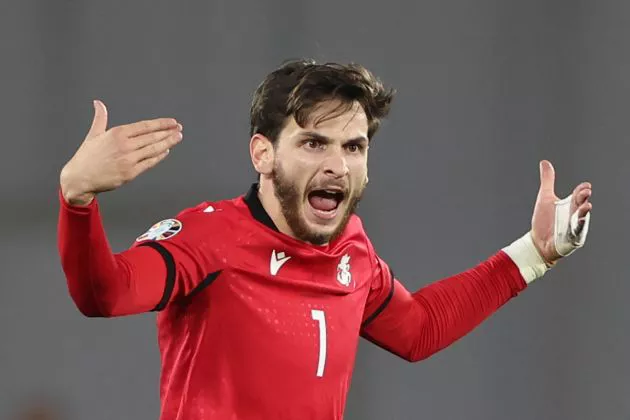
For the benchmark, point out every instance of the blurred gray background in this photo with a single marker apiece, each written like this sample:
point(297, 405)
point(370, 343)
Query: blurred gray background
point(487, 88)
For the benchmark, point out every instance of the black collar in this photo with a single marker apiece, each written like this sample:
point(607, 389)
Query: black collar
point(257, 209)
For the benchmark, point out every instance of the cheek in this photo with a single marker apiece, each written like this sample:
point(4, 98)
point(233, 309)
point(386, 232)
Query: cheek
point(296, 172)
point(358, 172)
point(306, 161)
point(304, 168)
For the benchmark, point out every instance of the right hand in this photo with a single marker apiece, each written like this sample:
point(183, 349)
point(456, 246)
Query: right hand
point(110, 158)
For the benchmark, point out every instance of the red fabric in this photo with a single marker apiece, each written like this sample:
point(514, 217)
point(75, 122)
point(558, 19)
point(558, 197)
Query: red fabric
point(240, 339)
point(101, 283)
point(417, 325)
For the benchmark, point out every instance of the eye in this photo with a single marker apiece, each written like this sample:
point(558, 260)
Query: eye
point(354, 147)
point(313, 144)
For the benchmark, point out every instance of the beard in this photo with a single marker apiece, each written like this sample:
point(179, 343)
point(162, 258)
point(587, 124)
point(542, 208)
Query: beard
point(290, 198)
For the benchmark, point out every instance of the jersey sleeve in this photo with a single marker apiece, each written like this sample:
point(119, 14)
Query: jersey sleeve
point(171, 260)
point(190, 246)
point(416, 325)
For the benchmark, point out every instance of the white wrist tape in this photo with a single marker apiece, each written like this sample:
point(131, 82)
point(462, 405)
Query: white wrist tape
point(527, 258)
point(568, 236)
point(567, 233)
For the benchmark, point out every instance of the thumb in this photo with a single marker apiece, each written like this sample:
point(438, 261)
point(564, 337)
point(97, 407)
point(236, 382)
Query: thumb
point(547, 177)
point(99, 123)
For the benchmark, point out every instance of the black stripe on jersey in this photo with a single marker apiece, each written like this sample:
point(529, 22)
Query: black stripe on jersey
point(385, 302)
point(256, 208)
point(170, 274)
point(205, 283)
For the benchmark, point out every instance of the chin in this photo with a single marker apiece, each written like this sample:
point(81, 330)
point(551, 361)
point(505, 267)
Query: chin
point(316, 238)
point(321, 228)
point(321, 236)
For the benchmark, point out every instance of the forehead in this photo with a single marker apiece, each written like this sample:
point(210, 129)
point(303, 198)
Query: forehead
point(331, 121)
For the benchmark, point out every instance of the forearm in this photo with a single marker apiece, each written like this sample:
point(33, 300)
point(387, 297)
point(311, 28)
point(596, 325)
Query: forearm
point(415, 326)
point(100, 282)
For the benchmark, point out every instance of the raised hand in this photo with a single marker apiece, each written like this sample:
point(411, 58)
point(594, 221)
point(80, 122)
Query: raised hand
point(110, 158)
point(549, 220)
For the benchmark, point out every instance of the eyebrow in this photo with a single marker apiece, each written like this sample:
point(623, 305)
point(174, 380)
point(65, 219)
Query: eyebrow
point(325, 139)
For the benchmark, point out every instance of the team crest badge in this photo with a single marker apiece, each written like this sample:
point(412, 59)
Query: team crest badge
point(161, 230)
point(343, 271)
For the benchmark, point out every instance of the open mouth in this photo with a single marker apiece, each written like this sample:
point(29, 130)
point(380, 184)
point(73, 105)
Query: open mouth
point(326, 201)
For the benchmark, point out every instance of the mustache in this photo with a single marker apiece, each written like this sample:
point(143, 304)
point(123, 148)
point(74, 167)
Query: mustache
point(340, 186)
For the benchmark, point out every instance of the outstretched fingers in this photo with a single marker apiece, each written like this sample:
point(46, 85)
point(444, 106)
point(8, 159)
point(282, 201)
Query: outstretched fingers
point(158, 146)
point(149, 126)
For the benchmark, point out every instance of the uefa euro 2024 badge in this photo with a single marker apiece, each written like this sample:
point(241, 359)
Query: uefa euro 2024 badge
point(161, 230)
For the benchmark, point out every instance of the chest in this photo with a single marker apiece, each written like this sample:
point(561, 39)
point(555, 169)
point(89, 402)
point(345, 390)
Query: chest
point(289, 288)
point(301, 310)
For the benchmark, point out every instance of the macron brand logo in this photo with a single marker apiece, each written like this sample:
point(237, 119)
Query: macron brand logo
point(277, 261)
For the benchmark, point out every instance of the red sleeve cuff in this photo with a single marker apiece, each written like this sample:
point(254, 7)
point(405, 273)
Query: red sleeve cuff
point(77, 209)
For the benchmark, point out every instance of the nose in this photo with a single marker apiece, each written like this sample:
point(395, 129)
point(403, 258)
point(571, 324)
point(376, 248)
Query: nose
point(336, 166)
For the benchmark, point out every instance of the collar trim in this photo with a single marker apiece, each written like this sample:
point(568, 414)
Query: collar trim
point(256, 208)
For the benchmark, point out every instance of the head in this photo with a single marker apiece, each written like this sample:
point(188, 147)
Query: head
point(311, 127)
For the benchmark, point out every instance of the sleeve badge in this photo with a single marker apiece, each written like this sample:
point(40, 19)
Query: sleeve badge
point(161, 230)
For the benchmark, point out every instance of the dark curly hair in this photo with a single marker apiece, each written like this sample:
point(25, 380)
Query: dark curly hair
point(297, 87)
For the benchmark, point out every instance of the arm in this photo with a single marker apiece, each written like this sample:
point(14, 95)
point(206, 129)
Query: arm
point(107, 284)
point(102, 283)
point(415, 326)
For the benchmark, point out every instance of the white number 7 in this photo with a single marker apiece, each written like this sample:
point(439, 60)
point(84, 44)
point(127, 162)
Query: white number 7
point(320, 317)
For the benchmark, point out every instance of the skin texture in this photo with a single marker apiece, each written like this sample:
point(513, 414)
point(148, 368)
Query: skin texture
point(109, 158)
point(329, 152)
point(544, 210)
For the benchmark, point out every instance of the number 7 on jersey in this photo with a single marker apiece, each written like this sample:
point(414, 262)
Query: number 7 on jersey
point(319, 316)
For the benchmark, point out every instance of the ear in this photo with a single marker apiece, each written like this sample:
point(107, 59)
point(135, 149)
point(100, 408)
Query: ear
point(262, 153)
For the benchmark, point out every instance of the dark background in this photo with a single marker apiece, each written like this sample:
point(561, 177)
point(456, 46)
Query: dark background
point(487, 88)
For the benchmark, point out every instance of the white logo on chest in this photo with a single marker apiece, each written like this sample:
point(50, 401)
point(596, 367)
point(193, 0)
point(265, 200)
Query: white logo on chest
point(343, 271)
point(277, 260)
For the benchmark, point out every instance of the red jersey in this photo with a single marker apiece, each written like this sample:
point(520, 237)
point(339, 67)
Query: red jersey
point(253, 324)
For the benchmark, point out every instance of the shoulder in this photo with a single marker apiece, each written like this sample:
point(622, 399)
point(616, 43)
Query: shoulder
point(355, 232)
point(215, 218)
point(209, 210)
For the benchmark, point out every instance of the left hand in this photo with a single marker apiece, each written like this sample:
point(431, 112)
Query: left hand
point(543, 219)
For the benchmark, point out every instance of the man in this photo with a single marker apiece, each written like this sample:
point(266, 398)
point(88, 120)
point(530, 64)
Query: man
point(262, 298)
